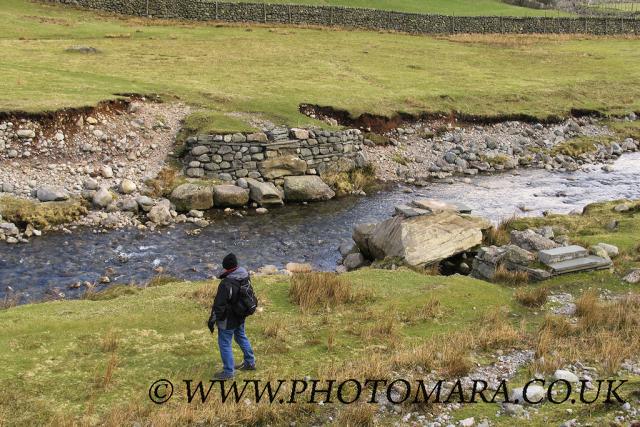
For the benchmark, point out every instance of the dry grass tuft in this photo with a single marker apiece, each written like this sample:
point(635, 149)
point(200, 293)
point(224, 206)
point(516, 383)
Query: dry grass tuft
point(511, 278)
point(496, 331)
point(358, 415)
point(606, 333)
point(276, 330)
point(104, 380)
point(109, 342)
point(499, 236)
point(534, 297)
point(204, 295)
point(163, 183)
point(432, 309)
point(312, 290)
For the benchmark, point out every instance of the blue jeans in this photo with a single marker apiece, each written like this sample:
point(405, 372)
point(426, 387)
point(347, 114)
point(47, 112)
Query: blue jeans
point(226, 352)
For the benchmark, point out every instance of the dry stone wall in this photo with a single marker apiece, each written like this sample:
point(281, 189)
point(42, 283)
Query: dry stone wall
point(373, 19)
point(273, 155)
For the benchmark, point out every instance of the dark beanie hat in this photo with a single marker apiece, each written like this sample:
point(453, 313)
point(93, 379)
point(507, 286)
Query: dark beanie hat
point(229, 262)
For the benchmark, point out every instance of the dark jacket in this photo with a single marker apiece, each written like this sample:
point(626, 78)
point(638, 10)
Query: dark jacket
point(221, 311)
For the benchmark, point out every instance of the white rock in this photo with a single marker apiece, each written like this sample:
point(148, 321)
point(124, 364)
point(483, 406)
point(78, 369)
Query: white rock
point(127, 186)
point(562, 374)
point(535, 393)
point(26, 134)
point(467, 422)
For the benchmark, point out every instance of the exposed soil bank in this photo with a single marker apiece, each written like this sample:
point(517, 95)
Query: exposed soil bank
point(380, 124)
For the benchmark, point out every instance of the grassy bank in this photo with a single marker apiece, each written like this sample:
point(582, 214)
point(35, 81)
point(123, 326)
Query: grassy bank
point(270, 71)
point(91, 361)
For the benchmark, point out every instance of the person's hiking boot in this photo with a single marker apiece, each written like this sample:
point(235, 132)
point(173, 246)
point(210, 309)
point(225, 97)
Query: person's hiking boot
point(220, 376)
point(244, 366)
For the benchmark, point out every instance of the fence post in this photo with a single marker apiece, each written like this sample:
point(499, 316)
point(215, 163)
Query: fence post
point(330, 15)
point(264, 13)
point(585, 25)
point(289, 12)
point(147, 8)
point(501, 26)
point(216, 11)
point(453, 25)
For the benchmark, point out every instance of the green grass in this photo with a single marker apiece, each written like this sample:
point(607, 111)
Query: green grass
point(269, 71)
point(440, 7)
point(581, 145)
point(52, 353)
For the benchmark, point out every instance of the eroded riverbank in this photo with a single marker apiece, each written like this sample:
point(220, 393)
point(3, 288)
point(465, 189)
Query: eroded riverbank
point(305, 233)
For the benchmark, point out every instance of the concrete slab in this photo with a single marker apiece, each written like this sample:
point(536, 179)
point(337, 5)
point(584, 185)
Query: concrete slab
point(590, 262)
point(563, 253)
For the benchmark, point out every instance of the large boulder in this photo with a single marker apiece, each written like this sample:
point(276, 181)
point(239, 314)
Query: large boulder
point(192, 196)
point(532, 241)
point(306, 188)
point(264, 193)
point(278, 167)
point(51, 194)
point(422, 240)
point(229, 196)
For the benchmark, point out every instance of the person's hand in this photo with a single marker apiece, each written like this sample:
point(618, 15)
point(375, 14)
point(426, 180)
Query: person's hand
point(211, 324)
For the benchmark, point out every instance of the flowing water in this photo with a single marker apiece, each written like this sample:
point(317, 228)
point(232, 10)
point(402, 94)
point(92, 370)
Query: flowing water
point(300, 233)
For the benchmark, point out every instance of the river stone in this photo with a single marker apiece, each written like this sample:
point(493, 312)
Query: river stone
point(26, 134)
point(347, 248)
point(425, 239)
point(229, 196)
point(531, 241)
point(306, 188)
point(192, 196)
point(145, 203)
point(90, 184)
point(106, 171)
point(599, 251)
point(278, 167)
point(354, 261)
point(264, 193)
point(562, 374)
point(535, 393)
point(128, 204)
point(51, 194)
point(161, 213)
point(127, 186)
point(102, 198)
point(9, 229)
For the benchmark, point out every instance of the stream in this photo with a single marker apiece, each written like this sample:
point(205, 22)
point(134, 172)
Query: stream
point(296, 233)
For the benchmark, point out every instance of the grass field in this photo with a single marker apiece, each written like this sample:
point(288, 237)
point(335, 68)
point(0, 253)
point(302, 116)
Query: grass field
point(441, 7)
point(270, 71)
point(92, 361)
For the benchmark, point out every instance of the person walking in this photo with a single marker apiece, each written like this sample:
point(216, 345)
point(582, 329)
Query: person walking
point(228, 313)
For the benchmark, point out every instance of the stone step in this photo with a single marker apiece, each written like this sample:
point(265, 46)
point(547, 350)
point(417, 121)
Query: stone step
point(563, 253)
point(590, 262)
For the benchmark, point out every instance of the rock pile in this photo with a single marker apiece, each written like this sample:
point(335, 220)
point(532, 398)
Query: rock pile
point(540, 254)
point(419, 153)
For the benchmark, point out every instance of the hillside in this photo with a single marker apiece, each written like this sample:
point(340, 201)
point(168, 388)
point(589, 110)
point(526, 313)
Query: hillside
point(252, 69)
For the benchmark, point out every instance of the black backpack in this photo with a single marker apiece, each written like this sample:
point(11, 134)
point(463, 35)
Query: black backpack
point(245, 302)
